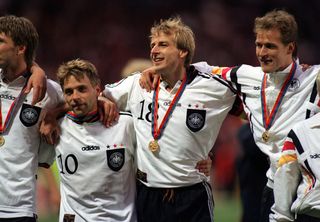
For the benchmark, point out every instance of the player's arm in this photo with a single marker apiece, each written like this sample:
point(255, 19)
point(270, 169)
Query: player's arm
point(37, 82)
point(108, 111)
point(149, 78)
point(121, 92)
point(49, 127)
point(286, 181)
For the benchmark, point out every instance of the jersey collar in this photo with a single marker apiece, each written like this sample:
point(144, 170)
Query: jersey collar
point(18, 82)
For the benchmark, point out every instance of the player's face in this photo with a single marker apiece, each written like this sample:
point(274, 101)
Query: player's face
point(272, 54)
point(80, 95)
point(165, 55)
point(8, 51)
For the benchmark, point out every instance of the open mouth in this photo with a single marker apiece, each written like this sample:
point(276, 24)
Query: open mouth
point(157, 59)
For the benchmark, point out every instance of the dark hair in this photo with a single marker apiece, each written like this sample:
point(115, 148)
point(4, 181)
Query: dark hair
point(23, 33)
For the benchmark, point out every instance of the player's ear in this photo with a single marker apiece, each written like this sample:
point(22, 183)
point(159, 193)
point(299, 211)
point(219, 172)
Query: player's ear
point(291, 47)
point(183, 53)
point(98, 90)
point(21, 49)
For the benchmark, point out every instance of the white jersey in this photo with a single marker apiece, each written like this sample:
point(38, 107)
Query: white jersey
point(97, 173)
point(21, 153)
point(189, 134)
point(299, 103)
point(296, 182)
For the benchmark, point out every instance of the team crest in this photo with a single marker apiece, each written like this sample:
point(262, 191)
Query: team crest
point(115, 158)
point(294, 84)
point(29, 115)
point(195, 119)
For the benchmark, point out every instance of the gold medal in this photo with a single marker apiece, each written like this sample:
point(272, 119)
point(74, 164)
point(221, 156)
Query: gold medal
point(265, 136)
point(154, 146)
point(2, 141)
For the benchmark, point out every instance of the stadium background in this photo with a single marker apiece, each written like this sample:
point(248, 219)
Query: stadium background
point(109, 33)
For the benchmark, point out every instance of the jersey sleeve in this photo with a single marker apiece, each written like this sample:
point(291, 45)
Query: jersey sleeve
point(216, 71)
point(54, 95)
point(121, 91)
point(46, 154)
point(206, 68)
point(286, 181)
point(244, 75)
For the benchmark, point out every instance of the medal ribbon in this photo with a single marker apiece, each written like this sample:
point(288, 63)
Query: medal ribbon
point(156, 132)
point(269, 118)
point(13, 107)
point(89, 118)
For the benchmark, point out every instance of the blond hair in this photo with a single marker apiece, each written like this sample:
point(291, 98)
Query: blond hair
point(78, 68)
point(182, 33)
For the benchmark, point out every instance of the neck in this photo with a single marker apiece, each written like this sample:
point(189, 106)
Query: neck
point(11, 73)
point(285, 65)
point(173, 78)
point(92, 116)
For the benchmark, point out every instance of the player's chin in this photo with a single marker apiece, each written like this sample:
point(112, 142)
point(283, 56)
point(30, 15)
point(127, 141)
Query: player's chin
point(79, 110)
point(267, 67)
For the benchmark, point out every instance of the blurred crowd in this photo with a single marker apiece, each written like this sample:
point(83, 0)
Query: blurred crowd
point(109, 33)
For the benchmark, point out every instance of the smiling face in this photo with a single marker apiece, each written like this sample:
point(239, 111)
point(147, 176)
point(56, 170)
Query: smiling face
point(165, 55)
point(271, 52)
point(80, 95)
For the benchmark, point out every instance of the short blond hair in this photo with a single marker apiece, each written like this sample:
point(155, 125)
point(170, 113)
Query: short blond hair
point(78, 68)
point(182, 33)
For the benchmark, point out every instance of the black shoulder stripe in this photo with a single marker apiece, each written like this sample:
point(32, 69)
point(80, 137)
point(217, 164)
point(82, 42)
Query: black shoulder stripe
point(223, 82)
point(125, 113)
point(296, 141)
point(314, 93)
point(191, 74)
point(312, 99)
point(300, 150)
point(244, 97)
point(204, 75)
point(234, 78)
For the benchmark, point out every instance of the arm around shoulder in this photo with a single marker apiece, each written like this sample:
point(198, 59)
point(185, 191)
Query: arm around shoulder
point(37, 82)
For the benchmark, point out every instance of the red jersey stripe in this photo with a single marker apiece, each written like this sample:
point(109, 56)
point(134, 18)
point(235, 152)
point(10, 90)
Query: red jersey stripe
point(288, 145)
